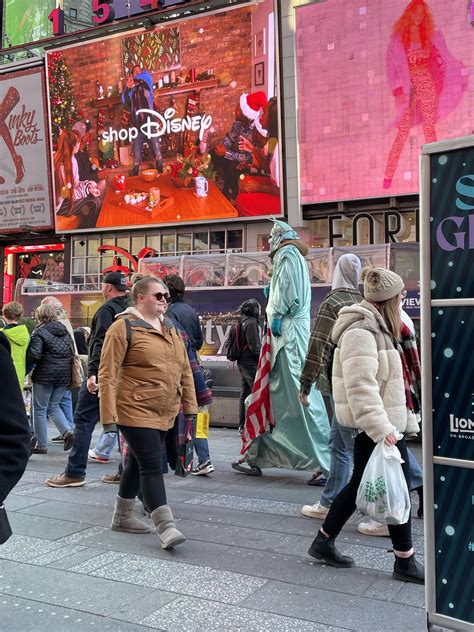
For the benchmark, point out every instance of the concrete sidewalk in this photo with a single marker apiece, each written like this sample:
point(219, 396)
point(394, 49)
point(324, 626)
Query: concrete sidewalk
point(244, 566)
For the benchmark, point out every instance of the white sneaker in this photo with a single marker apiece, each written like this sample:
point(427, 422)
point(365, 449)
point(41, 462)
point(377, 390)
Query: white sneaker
point(373, 528)
point(315, 511)
point(203, 468)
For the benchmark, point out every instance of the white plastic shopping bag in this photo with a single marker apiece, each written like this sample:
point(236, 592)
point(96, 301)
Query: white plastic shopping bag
point(383, 493)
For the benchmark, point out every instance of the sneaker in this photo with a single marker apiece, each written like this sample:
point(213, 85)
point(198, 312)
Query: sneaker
point(38, 450)
point(240, 431)
point(58, 439)
point(64, 480)
point(203, 468)
point(373, 528)
point(111, 478)
point(92, 454)
point(315, 511)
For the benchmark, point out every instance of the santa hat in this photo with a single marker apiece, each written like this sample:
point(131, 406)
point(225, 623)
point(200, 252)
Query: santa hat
point(252, 104)
point(259, 127)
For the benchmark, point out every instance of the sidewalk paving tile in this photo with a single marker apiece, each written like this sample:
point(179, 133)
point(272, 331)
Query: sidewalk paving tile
point(251, 504)
point(217, 617)
point(175, 577)
point(70, 590)
point(24, 615)
point(349, 612)
point(46, 528)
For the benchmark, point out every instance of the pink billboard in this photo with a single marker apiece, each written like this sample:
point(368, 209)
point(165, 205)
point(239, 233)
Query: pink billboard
point(376, 80)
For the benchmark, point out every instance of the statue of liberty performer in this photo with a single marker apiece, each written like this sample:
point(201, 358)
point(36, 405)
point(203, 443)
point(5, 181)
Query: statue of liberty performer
point(279, 431)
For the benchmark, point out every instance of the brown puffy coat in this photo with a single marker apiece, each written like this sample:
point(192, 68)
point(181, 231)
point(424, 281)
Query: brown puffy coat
point(146, 385)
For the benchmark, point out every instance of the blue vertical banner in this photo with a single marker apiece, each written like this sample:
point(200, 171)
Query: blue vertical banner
point(452, 224)
point(454, 536)
point(448, 295)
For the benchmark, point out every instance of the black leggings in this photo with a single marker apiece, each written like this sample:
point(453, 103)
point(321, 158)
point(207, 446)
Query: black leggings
point(344, 505)
point(143, 469)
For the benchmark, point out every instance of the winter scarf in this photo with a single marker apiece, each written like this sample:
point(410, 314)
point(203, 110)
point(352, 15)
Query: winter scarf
point(411, 368)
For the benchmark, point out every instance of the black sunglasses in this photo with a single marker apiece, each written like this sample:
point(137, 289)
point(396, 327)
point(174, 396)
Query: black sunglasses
point(161, 295)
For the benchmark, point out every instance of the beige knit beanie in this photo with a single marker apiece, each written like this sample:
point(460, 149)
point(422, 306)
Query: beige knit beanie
point(381, 284)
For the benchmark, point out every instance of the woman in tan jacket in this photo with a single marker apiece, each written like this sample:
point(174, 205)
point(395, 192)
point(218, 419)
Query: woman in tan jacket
point(144, 378)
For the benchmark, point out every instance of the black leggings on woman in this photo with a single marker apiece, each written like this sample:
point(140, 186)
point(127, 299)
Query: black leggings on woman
point(344, 504)
point(143, 468)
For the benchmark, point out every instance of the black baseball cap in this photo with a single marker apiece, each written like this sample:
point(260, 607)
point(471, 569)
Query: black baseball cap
point(117, 279)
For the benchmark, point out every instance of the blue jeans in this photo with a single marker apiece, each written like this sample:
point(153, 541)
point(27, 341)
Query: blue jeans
point(86, 415)
point(105, 444)
point(202, 450)
point(66, 406)
point(154, 145)
point(416, 473)
point(46, 403)
point(341, 446)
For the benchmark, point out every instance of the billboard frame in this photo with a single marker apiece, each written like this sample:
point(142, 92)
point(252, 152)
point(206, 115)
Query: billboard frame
point(38, 69)
point(136, 29)
point(427, 303)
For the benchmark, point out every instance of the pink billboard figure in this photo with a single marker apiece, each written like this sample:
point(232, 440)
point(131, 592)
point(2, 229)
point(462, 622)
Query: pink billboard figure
point(425, 79)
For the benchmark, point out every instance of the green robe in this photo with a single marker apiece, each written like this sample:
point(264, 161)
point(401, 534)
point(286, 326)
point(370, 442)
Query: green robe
point(300, 438)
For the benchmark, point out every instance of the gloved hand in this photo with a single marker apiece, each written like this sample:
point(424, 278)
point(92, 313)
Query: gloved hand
point(275, 327)
point(266, 291)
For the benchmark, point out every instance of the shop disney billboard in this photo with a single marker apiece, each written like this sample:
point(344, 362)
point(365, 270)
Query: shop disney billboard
point(153, 128)
point(24, 160)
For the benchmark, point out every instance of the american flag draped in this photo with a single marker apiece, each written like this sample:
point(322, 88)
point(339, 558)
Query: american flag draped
point(259, 418)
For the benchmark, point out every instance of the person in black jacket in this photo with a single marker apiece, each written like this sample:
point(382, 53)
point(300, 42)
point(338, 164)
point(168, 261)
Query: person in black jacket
point(181, 312)
point(14, 432)
point(51, 351)
point(249, 338)
point(87, 411)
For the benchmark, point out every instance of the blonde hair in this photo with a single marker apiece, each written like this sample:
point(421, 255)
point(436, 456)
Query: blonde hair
point(390, 311)
point(13, 310)
point(142, 282)
point(46, 314)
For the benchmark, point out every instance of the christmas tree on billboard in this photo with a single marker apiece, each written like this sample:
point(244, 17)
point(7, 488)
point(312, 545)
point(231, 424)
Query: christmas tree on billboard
point(63, 102)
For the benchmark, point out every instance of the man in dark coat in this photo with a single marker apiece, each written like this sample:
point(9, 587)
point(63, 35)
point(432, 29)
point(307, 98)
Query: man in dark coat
point(181, 312)
point(14, 432)
point(87, 412)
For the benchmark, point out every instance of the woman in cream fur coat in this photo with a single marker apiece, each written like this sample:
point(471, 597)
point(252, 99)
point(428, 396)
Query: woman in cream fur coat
point(369, 395)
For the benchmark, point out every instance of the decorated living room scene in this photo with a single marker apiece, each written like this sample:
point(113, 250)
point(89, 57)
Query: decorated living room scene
point(154, 127)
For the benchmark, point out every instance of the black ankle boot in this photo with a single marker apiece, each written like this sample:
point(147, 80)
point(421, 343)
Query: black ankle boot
point(324, 549)
point(408, 570)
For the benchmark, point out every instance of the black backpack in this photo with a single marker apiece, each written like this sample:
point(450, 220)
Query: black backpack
point(233, 346)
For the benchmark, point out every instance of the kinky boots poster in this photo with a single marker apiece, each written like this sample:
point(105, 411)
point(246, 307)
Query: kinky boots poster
point(24, 160)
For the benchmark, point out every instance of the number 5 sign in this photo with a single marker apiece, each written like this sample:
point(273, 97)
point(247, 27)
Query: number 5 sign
point(103, 11)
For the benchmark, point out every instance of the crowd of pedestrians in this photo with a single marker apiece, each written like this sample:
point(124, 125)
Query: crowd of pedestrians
point(141, 355)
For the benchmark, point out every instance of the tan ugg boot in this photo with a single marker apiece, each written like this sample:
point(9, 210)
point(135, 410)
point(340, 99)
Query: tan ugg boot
point(124, 520)
point(164, 521)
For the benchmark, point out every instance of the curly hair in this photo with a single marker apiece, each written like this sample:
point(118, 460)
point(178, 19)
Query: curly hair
point(404, 22)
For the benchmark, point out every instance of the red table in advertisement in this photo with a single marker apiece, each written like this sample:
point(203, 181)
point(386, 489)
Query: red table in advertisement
point(187, 207)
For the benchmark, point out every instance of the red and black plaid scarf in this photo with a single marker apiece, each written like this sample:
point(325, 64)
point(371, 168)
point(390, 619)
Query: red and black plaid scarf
point(411, 368)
